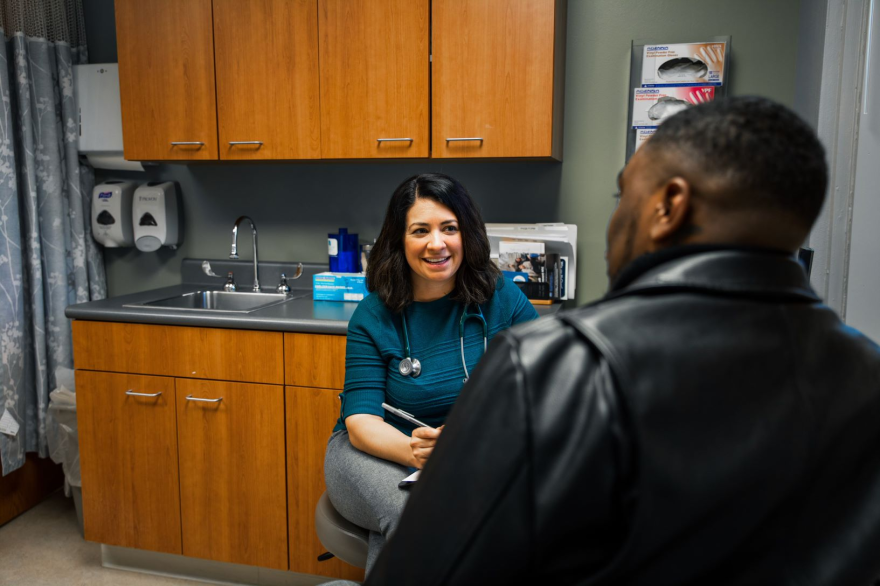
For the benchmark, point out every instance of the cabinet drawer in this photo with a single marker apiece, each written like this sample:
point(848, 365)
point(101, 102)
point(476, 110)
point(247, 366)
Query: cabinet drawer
point(314, 360)
point(128, 455)
point(187, 352)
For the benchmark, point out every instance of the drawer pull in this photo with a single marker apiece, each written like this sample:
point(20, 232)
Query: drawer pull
point(131, 393)
point(255, 142)
point(394, 140)
point(187, 143)
point(479, 138)
point(191, 398)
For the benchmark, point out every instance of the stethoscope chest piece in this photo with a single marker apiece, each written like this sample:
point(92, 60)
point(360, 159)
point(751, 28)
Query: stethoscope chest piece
point(410, 367)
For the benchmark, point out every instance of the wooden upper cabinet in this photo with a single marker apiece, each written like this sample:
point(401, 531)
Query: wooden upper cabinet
point(128, 448)
point(375, 70)
point(498, 69)
point(166, 79)
point(266, 55)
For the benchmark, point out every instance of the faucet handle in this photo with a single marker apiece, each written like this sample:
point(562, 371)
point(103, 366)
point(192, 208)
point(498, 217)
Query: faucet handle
point(230, 282)
point(283, 287)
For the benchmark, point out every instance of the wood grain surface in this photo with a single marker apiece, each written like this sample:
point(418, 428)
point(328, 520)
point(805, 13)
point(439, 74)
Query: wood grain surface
point(128, 456)
point(311, 415)
point(166, 79)
point(232, 481)
point(266, 56)
point(493, 77)
point(374, 78)
point(314, 360)
point(182, 351)
point(28, 486)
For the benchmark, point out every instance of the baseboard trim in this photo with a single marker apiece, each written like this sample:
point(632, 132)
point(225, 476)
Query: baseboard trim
point(210, 572)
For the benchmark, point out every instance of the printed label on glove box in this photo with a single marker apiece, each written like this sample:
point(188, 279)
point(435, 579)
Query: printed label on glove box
point(642, 136)
point(687, 63)
point(651, 106)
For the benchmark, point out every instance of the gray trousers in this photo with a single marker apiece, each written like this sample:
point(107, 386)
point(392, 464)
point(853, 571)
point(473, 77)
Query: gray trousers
point(363, 488)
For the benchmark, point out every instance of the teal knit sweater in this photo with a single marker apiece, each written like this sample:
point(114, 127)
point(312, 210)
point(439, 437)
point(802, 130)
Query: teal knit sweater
point(375, 346)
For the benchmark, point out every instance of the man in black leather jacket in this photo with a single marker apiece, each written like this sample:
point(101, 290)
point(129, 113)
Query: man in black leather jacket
point(709, 421)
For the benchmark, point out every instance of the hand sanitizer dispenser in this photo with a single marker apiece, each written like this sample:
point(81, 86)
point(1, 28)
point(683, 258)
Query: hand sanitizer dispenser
point(154, 214)
point(111, 213)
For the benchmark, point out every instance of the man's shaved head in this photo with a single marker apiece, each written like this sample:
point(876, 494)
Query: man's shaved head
point(746, 152)
point(740, 171)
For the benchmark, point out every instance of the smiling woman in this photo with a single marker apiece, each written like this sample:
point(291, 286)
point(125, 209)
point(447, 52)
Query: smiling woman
point(436, 301)
point(433, 249)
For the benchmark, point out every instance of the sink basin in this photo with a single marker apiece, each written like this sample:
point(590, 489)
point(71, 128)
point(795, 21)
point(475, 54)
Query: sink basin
point(228, 301)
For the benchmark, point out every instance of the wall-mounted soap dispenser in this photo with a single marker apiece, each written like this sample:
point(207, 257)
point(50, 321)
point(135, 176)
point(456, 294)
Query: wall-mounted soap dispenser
point(111, 213)
point(155, 214)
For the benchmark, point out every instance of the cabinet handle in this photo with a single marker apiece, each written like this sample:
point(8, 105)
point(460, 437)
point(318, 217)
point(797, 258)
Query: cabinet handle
point(187, 143)
point(131, 393)
point(479, 138)
point(235, 142)
point(394, 140)
point(191, 398)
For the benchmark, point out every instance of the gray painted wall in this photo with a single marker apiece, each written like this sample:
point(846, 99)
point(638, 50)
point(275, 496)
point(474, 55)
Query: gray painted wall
point(295, 205)
point(811, 53)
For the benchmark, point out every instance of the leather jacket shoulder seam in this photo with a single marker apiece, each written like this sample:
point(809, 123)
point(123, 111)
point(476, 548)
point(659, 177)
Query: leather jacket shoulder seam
point(521, 387)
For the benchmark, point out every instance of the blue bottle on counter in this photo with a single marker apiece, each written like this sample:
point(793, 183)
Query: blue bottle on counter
point(343, 251)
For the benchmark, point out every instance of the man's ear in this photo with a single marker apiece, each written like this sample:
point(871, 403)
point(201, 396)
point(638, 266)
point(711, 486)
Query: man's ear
point(672, 210)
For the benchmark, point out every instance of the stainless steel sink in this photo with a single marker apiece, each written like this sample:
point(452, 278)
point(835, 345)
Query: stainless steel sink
point(225, 301)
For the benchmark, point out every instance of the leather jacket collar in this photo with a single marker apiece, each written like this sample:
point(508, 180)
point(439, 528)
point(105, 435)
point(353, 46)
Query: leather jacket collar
point(723, 270)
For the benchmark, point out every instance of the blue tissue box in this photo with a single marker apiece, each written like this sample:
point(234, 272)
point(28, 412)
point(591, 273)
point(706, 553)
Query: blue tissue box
point(339, 286)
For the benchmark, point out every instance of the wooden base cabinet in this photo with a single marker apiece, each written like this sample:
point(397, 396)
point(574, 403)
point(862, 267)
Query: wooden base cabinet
point(314, 371)
point(176, 461)
point(128, 455)
point(233, 497)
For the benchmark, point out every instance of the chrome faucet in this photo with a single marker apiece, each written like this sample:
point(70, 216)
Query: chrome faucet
point(234, 252)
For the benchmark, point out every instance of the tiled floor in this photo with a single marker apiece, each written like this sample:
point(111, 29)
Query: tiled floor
point(43, 547)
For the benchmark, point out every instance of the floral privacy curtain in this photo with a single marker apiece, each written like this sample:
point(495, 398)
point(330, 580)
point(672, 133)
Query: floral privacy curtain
point(48, 258)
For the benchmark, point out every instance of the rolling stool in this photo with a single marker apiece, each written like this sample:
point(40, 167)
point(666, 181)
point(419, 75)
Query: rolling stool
point(341, 537)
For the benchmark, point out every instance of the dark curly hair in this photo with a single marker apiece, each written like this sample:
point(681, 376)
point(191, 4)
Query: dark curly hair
point(388, 272)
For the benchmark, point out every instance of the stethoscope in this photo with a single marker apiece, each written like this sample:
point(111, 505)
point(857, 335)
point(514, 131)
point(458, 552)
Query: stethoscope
point(410, 366)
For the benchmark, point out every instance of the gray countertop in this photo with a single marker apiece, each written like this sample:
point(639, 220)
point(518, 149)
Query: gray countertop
point(297, 315)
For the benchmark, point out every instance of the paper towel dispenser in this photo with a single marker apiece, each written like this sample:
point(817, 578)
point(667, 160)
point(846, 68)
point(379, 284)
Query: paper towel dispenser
point(96, 88)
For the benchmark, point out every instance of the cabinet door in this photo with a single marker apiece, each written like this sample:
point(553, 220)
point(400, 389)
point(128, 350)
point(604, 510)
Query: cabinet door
point(266, 54)
point(374, 78)
point(128, 455)
point(232, 488)
point(495, 63)
point(311, 415)
point(166, 79)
